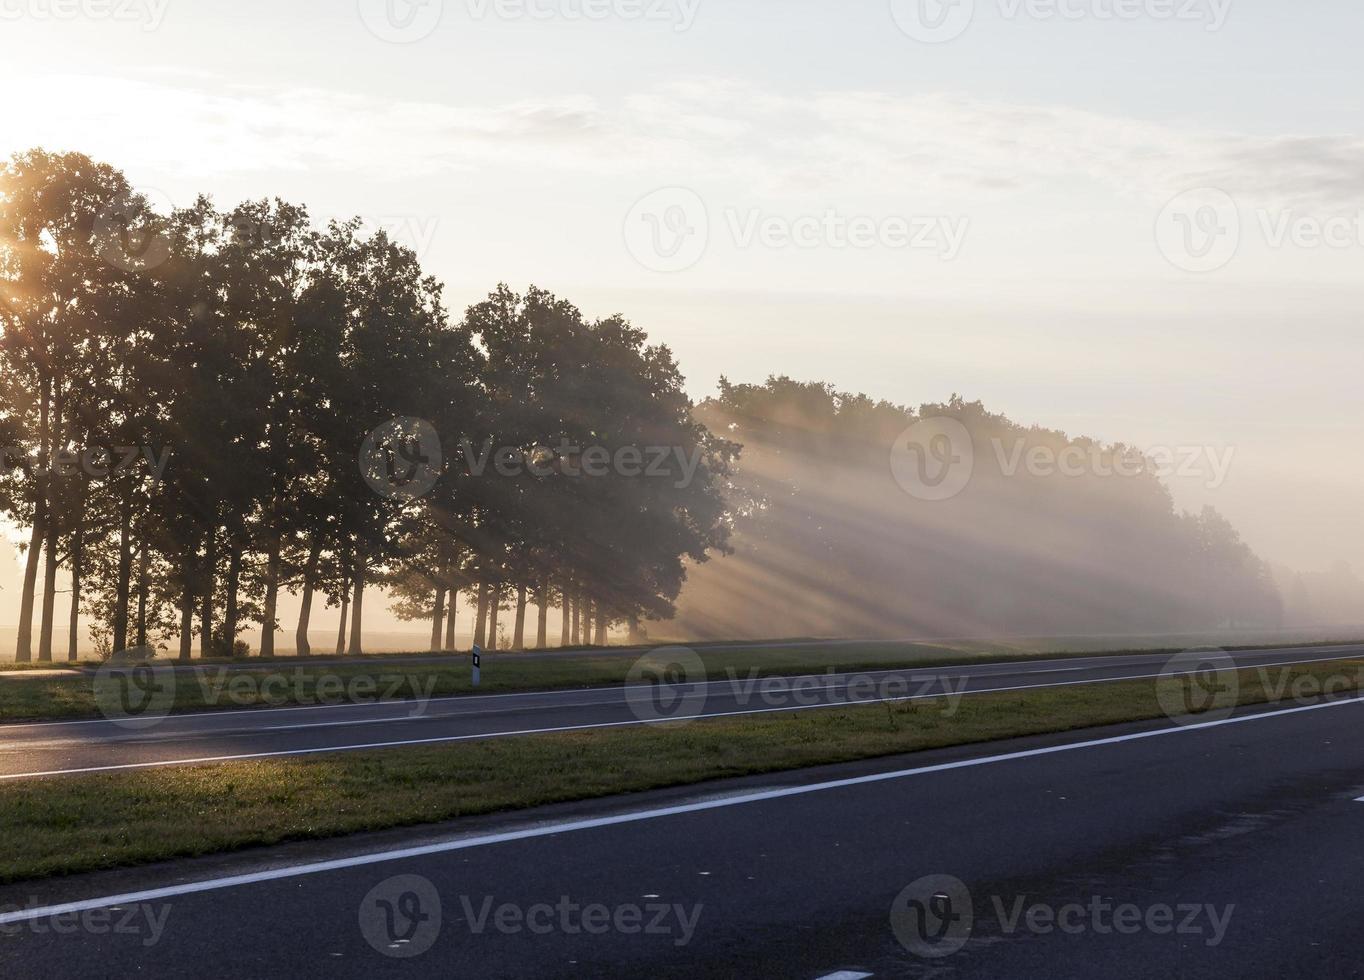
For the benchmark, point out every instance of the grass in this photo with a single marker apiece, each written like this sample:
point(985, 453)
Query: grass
point(292, 681)
point(105, 820)
point(297, 681)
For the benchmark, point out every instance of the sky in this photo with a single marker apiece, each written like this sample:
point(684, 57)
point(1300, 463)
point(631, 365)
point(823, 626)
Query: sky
point(1137, 220)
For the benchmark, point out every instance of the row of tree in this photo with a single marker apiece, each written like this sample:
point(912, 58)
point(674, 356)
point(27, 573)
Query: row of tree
point(329, 428)
point(826, 543)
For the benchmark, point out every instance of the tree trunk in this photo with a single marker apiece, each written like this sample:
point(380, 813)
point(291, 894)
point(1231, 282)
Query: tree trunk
point(268, 624)
point(636, 637)
point(519, 631)
point(585, 637)
point(438, 619)
point(575, 605)
point(143, 586)
point(341, 633)
point(564, 621)
point(187, 576)
point(206, 600)
point(122, 590)
point(357, 610)
point(23, 651)
point(542, 617)
point(187, 621)
point(49, 593)
point(481, 625)
point(494, 606)
point(600, 638)
point(450, 620)
point(73, 624)
point(230, 614)
point(302, 647)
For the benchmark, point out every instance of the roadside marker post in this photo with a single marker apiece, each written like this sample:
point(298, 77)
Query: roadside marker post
point(478, 663)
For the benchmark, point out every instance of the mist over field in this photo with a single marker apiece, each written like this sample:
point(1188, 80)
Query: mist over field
point(1047, 534)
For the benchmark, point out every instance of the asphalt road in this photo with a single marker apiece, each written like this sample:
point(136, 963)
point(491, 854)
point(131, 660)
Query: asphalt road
point(1228, 848)
point(145, 740)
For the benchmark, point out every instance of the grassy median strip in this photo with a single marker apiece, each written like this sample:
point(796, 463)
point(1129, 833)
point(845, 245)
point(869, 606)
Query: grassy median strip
point(285, 682)
point(281, 683)
point(81, 823)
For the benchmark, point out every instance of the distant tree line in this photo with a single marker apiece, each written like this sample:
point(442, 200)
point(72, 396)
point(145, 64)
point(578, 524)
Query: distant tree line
point(205, 409)
point(827, 543)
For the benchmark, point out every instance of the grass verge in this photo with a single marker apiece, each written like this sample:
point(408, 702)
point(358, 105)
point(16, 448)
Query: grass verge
point(281, 683)
point(291, 681)
point(84, 823)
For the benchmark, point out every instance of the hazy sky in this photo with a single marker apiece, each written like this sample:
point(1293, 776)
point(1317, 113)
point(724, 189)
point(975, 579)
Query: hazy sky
point(1002, 214)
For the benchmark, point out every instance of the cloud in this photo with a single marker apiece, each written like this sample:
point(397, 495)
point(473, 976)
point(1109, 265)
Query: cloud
point(831, 143)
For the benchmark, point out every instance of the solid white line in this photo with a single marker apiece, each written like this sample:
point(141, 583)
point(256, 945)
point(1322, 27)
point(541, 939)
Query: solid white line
point(845, 975)
point(934, 673)
point(560, 729)
point(571, 826)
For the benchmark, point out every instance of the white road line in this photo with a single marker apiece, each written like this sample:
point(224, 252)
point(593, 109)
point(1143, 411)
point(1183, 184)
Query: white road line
point(560, 729)
point(935, 673)
point(572, 826)
point(984, 672)
point(845, 975)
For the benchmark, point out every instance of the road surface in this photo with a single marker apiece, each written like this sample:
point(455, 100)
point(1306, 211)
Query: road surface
point(65, 748)
point(1228, 848)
